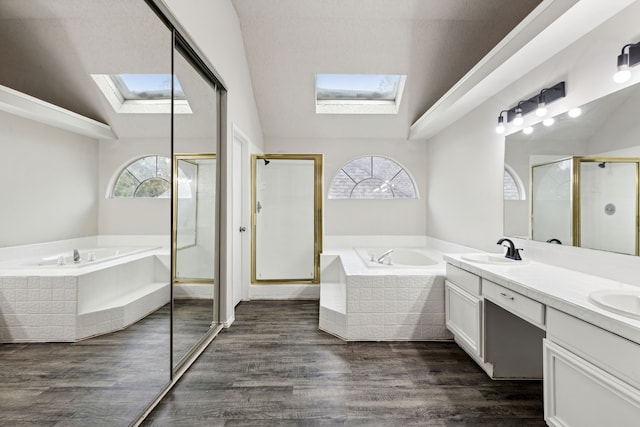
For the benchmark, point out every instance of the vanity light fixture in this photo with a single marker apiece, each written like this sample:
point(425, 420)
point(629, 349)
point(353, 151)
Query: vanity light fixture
point(541, 111)
point(528, 130)
point(500, 128)
point(626, 60)
point(538, 102)
point(549, 121)
point(518, 120)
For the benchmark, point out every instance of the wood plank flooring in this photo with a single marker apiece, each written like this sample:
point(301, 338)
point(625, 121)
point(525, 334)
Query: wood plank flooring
point(192, 319)
point(273, 367)
point(102, 381)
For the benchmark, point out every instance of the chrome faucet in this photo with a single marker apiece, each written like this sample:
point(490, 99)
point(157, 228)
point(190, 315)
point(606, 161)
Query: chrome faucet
point(383, 256)
point(76, 256)
point(512, 252)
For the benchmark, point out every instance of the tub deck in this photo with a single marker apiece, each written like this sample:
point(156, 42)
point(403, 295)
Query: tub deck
point(358, 303)
point(71, 303)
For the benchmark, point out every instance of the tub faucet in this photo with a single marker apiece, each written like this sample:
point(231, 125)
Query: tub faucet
point(76, 256)
point(383, 256)
point(512, 252)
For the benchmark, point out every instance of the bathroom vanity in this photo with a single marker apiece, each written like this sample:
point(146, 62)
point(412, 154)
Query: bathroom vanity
point(532, 320)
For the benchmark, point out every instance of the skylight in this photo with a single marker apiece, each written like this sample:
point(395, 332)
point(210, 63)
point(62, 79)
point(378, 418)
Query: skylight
point(359, 93)
point(142, 93)
point(147, 86)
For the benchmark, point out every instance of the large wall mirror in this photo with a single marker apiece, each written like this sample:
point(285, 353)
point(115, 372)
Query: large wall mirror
point(94, 345)
point(578, 177)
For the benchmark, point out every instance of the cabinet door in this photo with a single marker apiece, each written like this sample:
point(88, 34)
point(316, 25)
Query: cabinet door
point(577, 393)
point(463, 317)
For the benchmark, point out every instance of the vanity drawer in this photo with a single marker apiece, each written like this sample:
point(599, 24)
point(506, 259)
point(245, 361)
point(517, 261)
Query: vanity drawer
point(523, 307)
point(463, 279)
point(611, 352)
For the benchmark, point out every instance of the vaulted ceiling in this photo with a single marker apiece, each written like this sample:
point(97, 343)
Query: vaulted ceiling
point(433, 42)
point(50, 48)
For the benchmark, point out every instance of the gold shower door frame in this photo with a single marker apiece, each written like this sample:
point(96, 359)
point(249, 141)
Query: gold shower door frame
point(174, 218)
point(317, 209)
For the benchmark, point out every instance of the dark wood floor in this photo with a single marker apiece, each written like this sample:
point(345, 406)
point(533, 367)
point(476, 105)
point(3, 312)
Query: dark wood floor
point(102, 381)
point(192, 319)
point(273, 367)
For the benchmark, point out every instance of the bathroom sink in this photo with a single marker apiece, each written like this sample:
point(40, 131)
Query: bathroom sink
point(625, 302)
point(495, 259)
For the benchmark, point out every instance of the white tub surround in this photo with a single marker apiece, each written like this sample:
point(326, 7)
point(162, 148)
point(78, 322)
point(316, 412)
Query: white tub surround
point(587, 355)
point(363, 303)
point(70, 302)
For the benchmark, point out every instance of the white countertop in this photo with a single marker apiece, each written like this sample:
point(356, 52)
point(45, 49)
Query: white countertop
point(563, 289)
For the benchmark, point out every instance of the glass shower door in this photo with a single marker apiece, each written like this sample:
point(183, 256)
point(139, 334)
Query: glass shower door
point(286, 218)
point(608, 206)
point(551, 202)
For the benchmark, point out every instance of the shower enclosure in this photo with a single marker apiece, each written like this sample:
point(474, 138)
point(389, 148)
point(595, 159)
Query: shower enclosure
point(590, 202)
point(286, 218)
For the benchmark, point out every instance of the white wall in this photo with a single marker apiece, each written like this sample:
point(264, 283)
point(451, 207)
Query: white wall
point(366, 217)
point(464, 181)
point(215, 29)
point(465, 161)
point(48, 183)
point(124, 215)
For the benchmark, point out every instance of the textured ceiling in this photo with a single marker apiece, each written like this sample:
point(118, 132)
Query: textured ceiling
point(434, 42)
point(50, 47)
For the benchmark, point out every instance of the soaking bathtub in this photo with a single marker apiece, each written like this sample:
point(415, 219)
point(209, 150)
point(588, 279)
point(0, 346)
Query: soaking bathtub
point(401, 298)
point(45, 296)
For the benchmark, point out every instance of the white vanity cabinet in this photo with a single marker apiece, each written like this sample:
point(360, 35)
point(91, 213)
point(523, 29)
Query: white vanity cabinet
point(500, 329)
point(463, 309)
point(591, 376)
point(515, 323)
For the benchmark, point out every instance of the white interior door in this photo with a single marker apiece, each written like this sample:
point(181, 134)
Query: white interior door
point(239, 228)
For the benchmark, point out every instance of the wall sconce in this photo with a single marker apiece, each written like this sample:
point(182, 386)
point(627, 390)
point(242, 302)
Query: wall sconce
point(517, 119)
point(626, 60)
point(500, 128)
point(538, 102)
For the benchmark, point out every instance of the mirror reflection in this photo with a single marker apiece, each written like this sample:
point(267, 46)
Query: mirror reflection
point(195, 140)
point(85, 276)
point(581, 174)
point(194, 211)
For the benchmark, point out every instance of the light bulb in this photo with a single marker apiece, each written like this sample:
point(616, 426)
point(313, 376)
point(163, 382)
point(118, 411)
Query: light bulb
point(542, 109)
point(623, 74)
point(500, 128)
point(527, 130)
point(548, 121)
point(574, 112)
point(518, 120)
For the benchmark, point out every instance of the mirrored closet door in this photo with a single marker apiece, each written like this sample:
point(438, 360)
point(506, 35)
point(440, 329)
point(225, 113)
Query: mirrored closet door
point(195, 242)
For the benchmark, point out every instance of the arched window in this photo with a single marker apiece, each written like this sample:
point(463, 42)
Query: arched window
point(372, 177)
point(149, 176)
point(513, 189)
